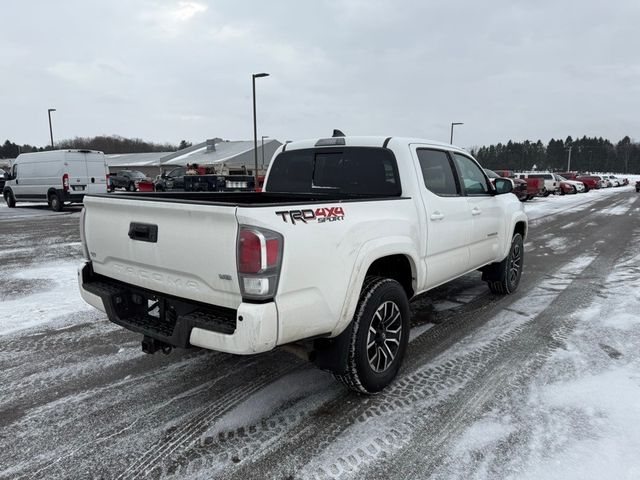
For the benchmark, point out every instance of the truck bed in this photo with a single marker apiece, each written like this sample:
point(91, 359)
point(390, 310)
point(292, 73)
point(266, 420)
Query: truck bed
point(245, 199)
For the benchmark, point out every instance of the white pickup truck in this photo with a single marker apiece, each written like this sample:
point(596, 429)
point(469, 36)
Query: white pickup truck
point(345, 233)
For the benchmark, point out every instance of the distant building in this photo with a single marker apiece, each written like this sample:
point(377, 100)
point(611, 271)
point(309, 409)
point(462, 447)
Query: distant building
point(225, 156)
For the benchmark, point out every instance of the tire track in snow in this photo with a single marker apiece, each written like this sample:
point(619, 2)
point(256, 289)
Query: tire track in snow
point(434, 383)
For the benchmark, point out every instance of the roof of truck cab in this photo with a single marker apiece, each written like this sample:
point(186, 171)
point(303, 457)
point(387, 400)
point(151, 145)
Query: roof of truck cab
point(371, 141)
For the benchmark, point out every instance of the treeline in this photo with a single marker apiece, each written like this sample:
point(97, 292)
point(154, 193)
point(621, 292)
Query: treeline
point(103, 143)
point(588, 154)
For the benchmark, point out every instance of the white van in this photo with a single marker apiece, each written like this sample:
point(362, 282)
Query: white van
point(56, 176)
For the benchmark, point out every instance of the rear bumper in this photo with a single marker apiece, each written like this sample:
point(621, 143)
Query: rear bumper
point(253, 328)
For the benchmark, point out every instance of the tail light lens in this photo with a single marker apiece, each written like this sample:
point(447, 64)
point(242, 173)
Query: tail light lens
point(259, 262)
point(65, 182)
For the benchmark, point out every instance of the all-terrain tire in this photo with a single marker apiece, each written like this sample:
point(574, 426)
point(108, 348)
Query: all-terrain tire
point(378, 297)
point(55, 202)
point(10, 199)
point(503, 278)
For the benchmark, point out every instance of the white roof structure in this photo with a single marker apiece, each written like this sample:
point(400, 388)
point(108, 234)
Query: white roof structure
point(211, 152)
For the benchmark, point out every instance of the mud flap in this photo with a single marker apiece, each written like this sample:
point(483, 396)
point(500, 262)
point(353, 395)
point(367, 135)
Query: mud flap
point(331, 354)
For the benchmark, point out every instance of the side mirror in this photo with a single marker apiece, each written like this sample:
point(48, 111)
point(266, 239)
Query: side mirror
point(503, 185)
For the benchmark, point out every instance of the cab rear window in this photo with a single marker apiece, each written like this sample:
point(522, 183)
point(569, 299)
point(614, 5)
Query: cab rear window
point(350, 170)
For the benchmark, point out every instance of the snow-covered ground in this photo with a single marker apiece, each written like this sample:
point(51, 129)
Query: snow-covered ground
point(540, 208)
point(580, 416)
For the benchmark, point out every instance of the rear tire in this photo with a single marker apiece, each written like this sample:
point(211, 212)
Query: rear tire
point(503, 278)
point(55, 202)
point(10, 199)
point(378, 337)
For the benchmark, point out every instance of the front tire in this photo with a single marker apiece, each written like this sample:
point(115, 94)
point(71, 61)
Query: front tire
point(503, 278)
point(131, 187)
point(378, 337)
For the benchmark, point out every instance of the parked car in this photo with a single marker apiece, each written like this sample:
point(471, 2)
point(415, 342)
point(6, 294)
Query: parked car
point(127, 179)
point(551, 185)
point(3, 178)
point(535, 186)
point(637, 186)
point(56, 177)
point(519, 186)
point(615, 181)
point(590, 181)
point(569, 186)
point(604, 181)
point(171, 180)
point(251, 277)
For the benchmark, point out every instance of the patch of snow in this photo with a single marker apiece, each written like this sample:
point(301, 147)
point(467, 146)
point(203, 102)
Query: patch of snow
point(43, 306)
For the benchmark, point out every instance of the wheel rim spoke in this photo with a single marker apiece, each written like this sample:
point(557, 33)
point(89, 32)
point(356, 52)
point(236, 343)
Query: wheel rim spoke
point(384, 336)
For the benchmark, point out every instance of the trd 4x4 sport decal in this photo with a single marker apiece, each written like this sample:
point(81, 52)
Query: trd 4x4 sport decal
point(321, 215)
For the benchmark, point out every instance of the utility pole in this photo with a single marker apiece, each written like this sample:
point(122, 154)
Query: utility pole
point(51, 129)
point(255, 124)
point(569, 160)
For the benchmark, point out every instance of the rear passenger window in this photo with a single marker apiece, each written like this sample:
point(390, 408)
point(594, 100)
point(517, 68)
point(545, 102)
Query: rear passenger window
point(437, 173)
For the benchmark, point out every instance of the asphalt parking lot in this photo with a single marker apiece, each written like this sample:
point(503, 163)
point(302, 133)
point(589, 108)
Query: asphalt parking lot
point(524, 386)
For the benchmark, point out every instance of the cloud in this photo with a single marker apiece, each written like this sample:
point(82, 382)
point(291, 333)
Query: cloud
point(171, 19)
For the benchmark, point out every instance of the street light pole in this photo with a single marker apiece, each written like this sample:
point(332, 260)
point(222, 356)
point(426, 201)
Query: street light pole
point(255, 124)
point(569, 160)
point(51, 129)
point(452, 125)
point(262, 148)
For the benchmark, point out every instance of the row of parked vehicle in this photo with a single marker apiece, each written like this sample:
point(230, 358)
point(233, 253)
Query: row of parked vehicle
point(528, 185)
point(180, 178)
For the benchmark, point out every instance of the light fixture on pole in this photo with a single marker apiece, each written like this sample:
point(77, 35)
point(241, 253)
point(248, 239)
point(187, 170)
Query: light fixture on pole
point(452, 125)
point(255, 125)
point(262, 148)
point(50, 128)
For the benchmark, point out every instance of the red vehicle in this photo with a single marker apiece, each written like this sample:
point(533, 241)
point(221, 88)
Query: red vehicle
point(590, 181)
point(569, 175)
point(519, 186)
point(535, 186)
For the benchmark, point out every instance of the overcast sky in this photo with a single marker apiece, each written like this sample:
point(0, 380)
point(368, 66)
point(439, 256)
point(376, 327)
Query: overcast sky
point(172, 70)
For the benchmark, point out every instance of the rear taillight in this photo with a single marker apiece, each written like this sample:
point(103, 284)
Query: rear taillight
point(259, 262)
point(65, 182)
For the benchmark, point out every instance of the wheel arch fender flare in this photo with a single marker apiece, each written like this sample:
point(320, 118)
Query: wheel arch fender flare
point(370, 252)
point(519, 223)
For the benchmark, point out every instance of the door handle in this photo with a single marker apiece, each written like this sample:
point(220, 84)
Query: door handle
point(143, 232)
point(437, 216)
point(476, 211)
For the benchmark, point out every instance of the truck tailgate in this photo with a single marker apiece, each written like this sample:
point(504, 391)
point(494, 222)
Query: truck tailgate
point(192, 253)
